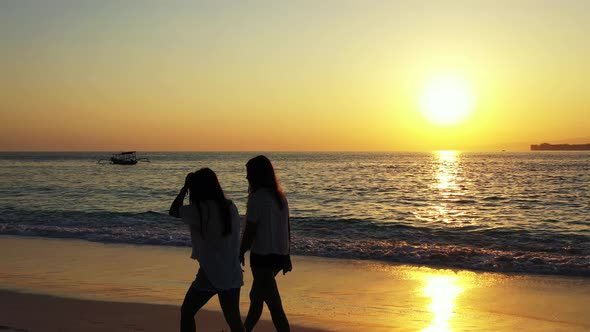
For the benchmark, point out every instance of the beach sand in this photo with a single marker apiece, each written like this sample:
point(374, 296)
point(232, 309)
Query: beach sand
point(31, 312)
point(72, 285)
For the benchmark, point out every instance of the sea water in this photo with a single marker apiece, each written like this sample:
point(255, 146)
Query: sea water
point(526, 212)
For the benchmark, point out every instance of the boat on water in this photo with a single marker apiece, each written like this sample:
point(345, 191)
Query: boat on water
point(123, 158)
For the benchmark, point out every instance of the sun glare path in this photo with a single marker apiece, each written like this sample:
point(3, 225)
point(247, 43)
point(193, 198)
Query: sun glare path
point(442, 290)
point(446, 100)
point(446, 170)
point(447, 185)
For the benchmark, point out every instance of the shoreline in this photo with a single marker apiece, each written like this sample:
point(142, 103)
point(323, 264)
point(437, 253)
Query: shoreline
point(386, 262)
point(320, 294)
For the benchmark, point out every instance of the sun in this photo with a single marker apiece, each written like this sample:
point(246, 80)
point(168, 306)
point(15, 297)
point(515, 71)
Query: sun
point(446, 99)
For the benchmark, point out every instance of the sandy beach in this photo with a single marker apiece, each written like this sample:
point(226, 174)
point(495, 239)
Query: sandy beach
point(72, 285)
point(33, 312)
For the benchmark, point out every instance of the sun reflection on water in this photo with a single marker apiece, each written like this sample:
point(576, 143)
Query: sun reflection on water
point(443, 290)
point(447, 185)
point(446, 171)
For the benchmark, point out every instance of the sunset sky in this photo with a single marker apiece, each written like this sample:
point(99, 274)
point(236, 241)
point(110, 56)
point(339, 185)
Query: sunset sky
point(290, 75)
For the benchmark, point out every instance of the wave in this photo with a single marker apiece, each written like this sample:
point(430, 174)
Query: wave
point(469, 247)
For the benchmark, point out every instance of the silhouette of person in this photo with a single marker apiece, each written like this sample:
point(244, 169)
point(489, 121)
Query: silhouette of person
point(267, 236)
point(214, 224)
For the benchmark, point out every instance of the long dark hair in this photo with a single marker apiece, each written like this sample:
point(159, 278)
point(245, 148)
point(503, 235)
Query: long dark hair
point(203, 185)
point(260, 175)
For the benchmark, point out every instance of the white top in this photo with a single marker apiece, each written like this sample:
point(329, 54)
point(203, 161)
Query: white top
point(218, 255)
point(272, 232)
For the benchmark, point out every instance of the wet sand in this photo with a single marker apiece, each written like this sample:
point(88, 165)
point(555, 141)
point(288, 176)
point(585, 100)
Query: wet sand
point(94, 286)
point(31, 313)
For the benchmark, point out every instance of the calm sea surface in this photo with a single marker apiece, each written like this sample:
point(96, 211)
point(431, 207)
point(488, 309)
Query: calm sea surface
point(507, 212)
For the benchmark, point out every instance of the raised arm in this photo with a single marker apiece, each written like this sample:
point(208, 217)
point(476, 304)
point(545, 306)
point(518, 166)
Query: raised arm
point(177, 203)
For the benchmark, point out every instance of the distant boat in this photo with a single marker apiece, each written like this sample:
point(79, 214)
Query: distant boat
point(123, 158)
point(560, 147)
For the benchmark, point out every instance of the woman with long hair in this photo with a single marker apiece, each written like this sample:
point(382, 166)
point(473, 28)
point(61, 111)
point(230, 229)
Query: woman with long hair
point(267, 236)
point(214, 225)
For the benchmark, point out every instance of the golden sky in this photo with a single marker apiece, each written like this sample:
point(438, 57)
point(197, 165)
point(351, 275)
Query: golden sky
point(289, 75)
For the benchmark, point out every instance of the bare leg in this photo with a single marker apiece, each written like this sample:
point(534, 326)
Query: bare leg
point(193, 301)
point(256, 303)
point(264, 289)
point(230, 304)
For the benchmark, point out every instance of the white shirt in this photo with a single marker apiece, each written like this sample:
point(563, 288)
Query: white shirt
point(272, 232)
point(218, 255)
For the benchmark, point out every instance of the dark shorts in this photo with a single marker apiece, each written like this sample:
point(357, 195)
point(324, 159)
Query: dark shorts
point(273, 261)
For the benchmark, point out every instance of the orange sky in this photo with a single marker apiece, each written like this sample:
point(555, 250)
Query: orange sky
point(309, 76)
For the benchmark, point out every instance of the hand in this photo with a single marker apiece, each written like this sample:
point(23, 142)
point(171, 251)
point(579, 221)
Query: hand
point(287, 266)
point(187, 180)
point(183, 191)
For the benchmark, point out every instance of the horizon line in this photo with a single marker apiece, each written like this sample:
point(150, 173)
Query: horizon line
point(267, 151)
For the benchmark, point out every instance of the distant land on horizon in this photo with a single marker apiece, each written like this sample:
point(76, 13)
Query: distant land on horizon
point(524, 146)
point(572, 144)
point(560, 147)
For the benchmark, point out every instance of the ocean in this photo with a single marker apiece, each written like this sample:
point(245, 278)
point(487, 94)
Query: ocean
point(526, 212)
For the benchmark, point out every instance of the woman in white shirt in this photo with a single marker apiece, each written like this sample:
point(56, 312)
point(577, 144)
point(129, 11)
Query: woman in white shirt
point(267, 236)
point(214, 225)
